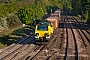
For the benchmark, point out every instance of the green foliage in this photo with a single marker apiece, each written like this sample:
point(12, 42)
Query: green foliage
point(3, 24)
point(26, 14)
point(88, 21)
point(86, 15)
point(13, 21)
point(1, 45)
point(66, 5)
point(82, 7)
point(37, 8)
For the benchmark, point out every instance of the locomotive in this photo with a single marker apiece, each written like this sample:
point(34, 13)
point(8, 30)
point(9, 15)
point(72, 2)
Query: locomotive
point(43, 31)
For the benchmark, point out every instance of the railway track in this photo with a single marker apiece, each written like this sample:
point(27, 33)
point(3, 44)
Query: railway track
point(69, 42)
point(85, 42)
point(12, 45)
point(18, 42)
point(16, 46)
point(82, 52)
point(73, 47)
point(85, 26)
point(74, 42)
point(36, 52)
point(11, 52)
point(84, 30)
point(71, 52)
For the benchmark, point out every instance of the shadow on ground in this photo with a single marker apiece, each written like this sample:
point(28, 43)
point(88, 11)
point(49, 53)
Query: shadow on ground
point(16, 35)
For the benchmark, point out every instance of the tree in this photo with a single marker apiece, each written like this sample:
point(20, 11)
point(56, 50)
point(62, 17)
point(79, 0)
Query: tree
point(13, 21)
point(26, 14)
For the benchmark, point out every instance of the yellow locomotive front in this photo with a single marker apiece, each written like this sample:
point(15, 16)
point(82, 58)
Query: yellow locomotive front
point(43, 32)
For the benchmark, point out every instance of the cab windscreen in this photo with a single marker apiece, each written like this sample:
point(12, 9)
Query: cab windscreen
point(42, 28)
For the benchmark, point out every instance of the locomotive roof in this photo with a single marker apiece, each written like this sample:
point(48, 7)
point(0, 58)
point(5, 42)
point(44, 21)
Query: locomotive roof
point(44, 23)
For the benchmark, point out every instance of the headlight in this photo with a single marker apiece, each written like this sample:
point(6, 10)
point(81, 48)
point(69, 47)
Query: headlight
point(46, 35)
point(37, 34)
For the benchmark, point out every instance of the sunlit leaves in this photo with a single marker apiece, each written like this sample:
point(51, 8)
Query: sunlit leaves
point(26, 14)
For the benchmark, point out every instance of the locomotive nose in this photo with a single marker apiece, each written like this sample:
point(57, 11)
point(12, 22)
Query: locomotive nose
point(42, 34)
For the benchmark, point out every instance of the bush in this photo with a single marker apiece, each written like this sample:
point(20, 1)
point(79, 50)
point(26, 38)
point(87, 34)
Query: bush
point(3, 24)
point(13, 21)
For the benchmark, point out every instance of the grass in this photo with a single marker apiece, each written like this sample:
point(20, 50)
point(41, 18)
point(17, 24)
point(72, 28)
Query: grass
point(11, 35)
point(2, 45)
point(9, 31)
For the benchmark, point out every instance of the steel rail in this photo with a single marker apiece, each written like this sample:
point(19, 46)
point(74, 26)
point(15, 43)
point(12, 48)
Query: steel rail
point(83, 32)
point(83, 41)
point(66, 53)
point(76, 47)
point(41, 48)
point(17, 48)
point(13, 45)
point(82, 26)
